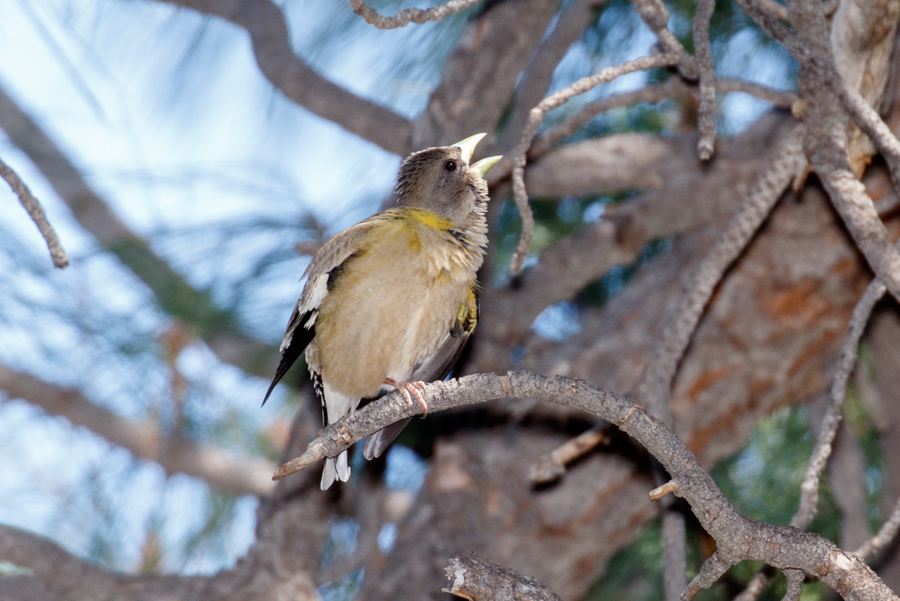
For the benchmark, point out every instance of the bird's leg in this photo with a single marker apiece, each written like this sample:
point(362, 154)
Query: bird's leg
point(410, 390)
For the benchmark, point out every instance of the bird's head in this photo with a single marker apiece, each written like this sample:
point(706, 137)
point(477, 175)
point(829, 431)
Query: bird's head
point(442, 180)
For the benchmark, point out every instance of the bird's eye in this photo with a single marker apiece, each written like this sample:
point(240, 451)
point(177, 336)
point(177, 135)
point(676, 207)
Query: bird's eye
point(450, 165)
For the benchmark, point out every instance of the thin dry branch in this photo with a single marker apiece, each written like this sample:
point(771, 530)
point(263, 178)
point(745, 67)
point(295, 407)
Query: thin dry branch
point(553, 465)
point(656, 17)
point(871, 123)
point(809, 490)
point(885, 535)
point(410, 15)
point(671, 88)
point(706, 118)
point(653, 389)
point(218, 467)
point(36, 212)
point(536, 117)
point(738, 538)
point(769, 16)
point(479, 580)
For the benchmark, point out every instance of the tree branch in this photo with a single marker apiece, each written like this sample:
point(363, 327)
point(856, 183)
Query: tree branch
point(410, 15)
point(216, 466)
point(264, 21)
point(36, 212)
point(479, 580)
point(656, 382)
point(706, 118)
point(737, 537)
point(536, 116)
point(538, 73)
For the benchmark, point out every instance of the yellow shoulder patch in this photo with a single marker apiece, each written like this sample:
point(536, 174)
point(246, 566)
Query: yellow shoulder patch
point(427, 218)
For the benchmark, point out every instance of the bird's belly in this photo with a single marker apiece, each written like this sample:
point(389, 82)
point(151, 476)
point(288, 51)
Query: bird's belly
point(396, 319)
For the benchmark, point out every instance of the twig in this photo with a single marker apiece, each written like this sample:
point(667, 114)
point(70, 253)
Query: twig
point(480, 580)
point(795, 584)
point(809, 490)
point(706, 119)
point(653, 389)
point(654, 14)
point(536, 116)
point(754, 588)
point(711, 570)
point(885, 535)
point(410, 15)
point(551, 466)
point(660, 491)
point(779, 10)
point(769, 16)
point(779, 98)
point(36, 212)
point(674, 548)
point(871, 123)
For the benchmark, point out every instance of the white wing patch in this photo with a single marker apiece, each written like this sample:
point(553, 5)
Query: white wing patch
point(317, 293)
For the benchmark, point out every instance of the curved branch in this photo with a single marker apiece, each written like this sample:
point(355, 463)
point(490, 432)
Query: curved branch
point(738, 538)
point(36, 212)
point(410, 15)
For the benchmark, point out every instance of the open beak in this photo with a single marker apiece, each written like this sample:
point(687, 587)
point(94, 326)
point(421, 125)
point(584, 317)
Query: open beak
point(484, 165)
point(468, 145)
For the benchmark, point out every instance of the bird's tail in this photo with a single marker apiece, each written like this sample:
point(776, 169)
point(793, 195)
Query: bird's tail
point(335, 469)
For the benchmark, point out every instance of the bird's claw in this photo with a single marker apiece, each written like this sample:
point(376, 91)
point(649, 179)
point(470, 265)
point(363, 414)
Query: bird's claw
point(411, 390)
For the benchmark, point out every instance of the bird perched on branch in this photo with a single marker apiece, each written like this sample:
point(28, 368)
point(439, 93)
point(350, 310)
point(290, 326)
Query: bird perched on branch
point(390, 302)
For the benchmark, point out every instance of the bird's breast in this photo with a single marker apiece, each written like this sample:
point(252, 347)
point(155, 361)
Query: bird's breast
point(393, 305)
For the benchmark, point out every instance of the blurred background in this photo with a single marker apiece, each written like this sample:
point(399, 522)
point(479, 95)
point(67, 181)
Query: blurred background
point(189, 193)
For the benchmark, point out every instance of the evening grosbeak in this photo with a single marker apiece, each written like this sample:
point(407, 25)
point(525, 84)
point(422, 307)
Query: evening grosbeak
point(390, 302)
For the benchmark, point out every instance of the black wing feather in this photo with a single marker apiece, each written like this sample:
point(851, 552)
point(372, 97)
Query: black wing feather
point(300, 338)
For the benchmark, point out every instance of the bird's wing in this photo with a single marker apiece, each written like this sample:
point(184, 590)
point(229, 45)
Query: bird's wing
point(321, 275)
point(436, 366)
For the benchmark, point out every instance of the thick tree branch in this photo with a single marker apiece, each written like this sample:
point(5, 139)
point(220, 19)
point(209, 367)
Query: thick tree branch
point(36, 212)
point(825, 143)
point(738, 538)
point(265, 22)
point(175, 454)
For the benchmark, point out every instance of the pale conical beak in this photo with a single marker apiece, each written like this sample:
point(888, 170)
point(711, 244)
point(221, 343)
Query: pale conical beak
point(468, 145)
point(484, 165)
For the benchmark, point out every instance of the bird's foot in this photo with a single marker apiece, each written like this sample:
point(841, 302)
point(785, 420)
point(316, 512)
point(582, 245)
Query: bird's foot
point(410, 390)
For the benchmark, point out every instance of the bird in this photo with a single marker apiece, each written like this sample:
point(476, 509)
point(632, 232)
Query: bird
point(390, 302)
